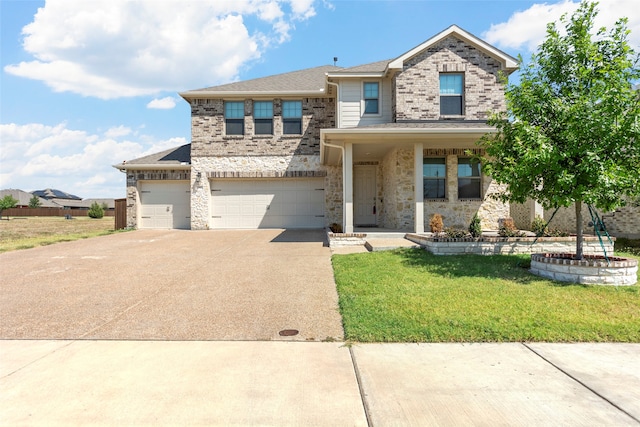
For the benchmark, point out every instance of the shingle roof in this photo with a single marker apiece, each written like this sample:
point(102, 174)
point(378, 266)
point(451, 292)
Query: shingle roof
point(373, 67)
point(23, 198)
point(173, 156)
point(50, 193)
point(310, 79)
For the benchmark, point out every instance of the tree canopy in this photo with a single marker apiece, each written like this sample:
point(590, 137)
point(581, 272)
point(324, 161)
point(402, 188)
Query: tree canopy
point(570, 134)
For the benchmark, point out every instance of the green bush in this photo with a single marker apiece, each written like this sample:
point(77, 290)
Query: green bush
point(475, 228)
point(539, 226)
point(96, 211)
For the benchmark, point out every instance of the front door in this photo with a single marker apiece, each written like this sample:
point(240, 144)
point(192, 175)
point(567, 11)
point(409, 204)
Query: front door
point(364, 194)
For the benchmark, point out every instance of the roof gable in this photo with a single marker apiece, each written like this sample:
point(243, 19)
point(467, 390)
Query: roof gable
point(509, 63)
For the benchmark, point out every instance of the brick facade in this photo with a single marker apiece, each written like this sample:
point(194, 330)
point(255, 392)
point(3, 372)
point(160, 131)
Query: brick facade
point(416, 90)
point(208, 137)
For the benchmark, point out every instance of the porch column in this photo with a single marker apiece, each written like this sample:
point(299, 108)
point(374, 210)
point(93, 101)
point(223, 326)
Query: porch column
point(418, 187)
point(347, 188)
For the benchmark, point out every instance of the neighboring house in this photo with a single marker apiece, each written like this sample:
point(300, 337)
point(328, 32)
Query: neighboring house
point(24, 197)
point(83, 203)
point(50, 193)
point(385, 144)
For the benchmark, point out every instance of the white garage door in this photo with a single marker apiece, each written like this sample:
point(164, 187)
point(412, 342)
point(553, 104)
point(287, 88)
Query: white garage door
point(269, 203)
point(165, 204)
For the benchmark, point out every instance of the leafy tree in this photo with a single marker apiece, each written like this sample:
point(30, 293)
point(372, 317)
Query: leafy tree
point(574, 133)
point(95, 211)
point(34, 202)
point(7, 202)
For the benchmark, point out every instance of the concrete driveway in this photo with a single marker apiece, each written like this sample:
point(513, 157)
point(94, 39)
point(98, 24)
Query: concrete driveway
point(173, 285)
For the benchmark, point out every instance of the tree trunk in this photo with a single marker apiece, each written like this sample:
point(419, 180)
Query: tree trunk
point(579, 237)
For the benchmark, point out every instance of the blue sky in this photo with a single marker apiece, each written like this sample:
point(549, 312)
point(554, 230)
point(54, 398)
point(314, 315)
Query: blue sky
point(87, 84)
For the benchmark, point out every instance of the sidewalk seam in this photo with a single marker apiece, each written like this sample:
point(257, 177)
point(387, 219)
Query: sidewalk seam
point(581, 383)
point(363, 398)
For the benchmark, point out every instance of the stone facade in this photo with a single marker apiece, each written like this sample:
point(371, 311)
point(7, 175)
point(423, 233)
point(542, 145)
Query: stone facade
point(134, 178)
point(208, 137)
point(458, 213)
point(416, 93)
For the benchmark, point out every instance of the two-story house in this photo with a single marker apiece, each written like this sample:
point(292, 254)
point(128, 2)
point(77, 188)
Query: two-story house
point(385, 144)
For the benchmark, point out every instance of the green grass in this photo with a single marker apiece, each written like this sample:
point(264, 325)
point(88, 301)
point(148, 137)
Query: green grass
point(413, 296)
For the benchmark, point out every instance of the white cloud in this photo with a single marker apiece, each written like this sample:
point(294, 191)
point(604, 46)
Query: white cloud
point(36, 156)
point(166, 103)
point(117, 131)
point(116, 48)
point(527, 29)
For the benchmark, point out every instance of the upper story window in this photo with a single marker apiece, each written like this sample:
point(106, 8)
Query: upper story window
point(451, 94)
point(263, 117)
point(234, 117)
point(434, 173)
point(371, 97)
point(292, 117)
point(469, 182)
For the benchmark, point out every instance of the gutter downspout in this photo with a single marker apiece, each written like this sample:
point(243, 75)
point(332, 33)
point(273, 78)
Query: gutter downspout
point(341, 148)
point(337, 101)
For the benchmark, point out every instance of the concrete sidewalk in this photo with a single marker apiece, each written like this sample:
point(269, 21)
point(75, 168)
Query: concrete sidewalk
point(312, 383)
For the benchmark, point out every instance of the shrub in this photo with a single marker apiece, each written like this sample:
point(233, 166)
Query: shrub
point(436, 223)
point(34, 202)
point(456, 233)
point(335, 228)
point(475, 228)
point(508, 229)
point(95, 211)
point(539, 226)
point(7, 202)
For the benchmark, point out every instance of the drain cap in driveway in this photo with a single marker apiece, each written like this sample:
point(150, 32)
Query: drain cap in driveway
point(288, 332)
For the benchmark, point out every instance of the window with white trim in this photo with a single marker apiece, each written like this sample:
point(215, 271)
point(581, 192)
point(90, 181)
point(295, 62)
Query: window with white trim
point(263, 117)
point(292, 117)
point(234, 117)
point(451, 94)
point(371, 95)
point(434, 175)
point(469, 179)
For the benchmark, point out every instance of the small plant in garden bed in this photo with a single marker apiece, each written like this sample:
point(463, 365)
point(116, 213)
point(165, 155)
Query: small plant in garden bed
point(475, 228)
point(541, 228)
point(455, 233)
point(436, 224)
point(508, 229)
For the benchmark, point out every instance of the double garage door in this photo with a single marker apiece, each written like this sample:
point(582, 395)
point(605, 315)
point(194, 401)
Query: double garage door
point(245, 204)
point(165, 204)
point(268, 203)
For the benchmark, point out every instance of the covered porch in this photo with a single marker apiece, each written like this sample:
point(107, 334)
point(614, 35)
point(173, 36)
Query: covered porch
point(381, 168)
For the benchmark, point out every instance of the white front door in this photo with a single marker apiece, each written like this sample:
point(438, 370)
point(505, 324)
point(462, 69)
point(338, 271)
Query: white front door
point(364, 194)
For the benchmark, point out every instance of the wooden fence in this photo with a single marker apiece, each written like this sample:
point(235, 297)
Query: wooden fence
point(52, 212)
point(121, 214)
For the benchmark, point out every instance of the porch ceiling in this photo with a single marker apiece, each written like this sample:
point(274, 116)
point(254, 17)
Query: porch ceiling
point(373, 146)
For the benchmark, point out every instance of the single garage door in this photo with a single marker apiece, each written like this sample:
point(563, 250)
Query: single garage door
point(268, 203)
point(165, 204)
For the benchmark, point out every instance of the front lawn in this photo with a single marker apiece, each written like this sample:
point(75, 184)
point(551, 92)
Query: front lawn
point(413, 296)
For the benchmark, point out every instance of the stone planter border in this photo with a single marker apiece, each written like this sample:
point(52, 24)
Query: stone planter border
point(593, 270)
